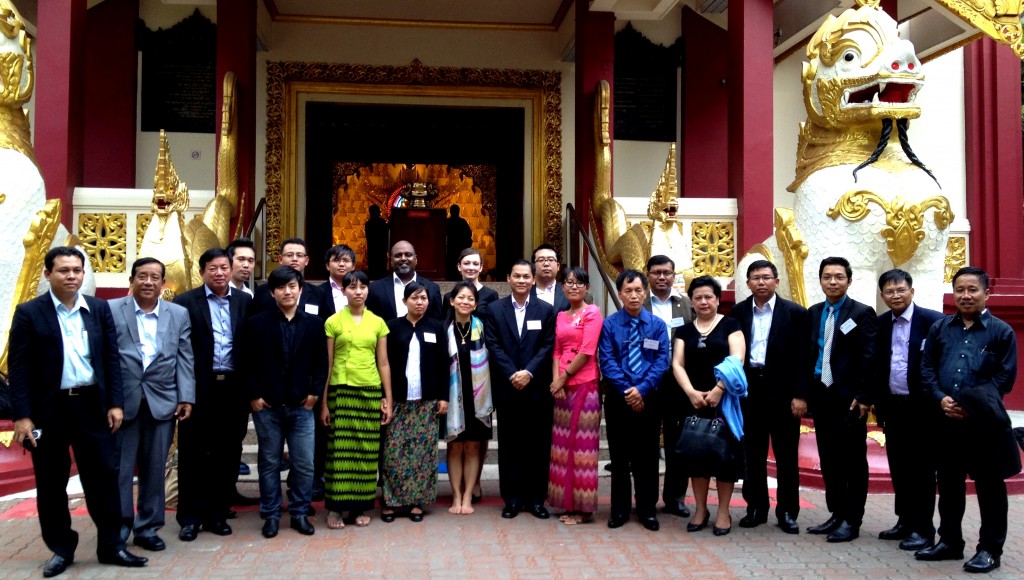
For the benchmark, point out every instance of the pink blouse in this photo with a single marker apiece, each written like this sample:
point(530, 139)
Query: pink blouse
point(575, 334)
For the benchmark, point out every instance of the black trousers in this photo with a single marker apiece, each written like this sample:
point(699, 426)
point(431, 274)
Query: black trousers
point(843, 452)
point(673, 408)
point(910, 427)
point(209, 450)
point(524, 449)
point(764, 421)
point(78, 422)
point(633, 447)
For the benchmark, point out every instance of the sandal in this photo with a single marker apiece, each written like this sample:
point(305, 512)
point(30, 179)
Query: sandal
point(387, 516)
point(335, 521)
point(416, 517)
point(582, 518)
point(562, 517)
point(362, 520)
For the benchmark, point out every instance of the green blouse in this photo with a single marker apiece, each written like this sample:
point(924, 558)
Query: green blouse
point(355, 347)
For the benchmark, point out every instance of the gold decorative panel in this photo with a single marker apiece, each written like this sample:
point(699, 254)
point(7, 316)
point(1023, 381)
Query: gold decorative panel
point(714, 249)
point(956, 255)
point(104, 237)
point(141, 223)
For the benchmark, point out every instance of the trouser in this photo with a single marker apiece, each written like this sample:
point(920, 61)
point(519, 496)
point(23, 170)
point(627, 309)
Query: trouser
point(843, 452)
point(673, 405)
point(144, 442)
point(524, 443)
point(909, 439)
point(274, 426)
point(633, 447)
point(764, 421)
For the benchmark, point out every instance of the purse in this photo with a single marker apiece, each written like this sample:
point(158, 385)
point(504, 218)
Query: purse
point(704, 441)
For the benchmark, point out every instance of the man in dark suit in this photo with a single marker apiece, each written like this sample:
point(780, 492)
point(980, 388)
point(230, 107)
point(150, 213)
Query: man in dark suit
point(908, 415)
point(674, 310)
point(844, 336)
point(520, 336)
point(209, 443)
point(242, 253)
point(775, 331)
point(385, 297)
point(66, 386)
point(339, 260)
point(153, 339)
point(284, 366)
point(546, 286)
point(294, 254)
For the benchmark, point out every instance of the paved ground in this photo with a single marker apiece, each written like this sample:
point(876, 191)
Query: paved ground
point(485, 546)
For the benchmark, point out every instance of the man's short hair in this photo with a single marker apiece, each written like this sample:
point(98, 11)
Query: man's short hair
point(339, 251)
point(523, 262)
point(760, 265)
point(148, 260)
point(629, 276)
point(545, 246)
point(972, 271)
point(835, 261)
point(282, 276)
point(211, 255)
point(353, 277)
point(296, 241)
point(658, 260)
point(239, 243)
point(895, 276)
point(59, 251)
point(705, 281)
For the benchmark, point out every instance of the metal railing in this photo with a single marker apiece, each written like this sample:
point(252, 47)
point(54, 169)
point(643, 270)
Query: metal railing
point(580, 232)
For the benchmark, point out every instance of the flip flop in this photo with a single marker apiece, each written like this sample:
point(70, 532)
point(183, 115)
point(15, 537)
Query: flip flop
point(362, 520)
point(335, 521)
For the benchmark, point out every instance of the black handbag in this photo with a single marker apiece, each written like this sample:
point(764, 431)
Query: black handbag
point(704, 441)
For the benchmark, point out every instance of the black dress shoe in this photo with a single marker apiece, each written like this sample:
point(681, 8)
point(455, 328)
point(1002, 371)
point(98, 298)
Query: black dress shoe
point(915, 542)
point(787, 523)
point(982, 562)
point(123, 558)
point(753, 519)
point(721, 531)
point(301, 524)
point(940, 551)
point(897, 532)
point(676, 508)
point(826, 528)
point(692, 527)
point(510, 511)
point(540, 512)
point(218, 528)
point(650, 523)
point(846, 532)
point(232, 515)
point(151, 543)
point(617, 521)
point(188, 532)
point(270, 527)
point(56, 565)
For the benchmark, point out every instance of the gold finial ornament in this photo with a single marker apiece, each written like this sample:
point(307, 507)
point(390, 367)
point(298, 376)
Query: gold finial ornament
point(17, 80)
point(998, 19)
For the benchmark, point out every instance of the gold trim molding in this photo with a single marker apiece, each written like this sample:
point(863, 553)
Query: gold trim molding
point(288, 81)
point(104, 237)
point(999, 19)
point(714, 248)
point(956, 256)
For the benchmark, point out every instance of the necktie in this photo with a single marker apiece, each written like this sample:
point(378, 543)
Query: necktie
point(826, 357)
point(634, 359)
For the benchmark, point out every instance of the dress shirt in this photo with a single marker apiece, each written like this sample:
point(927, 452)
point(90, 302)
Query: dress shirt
point(663, 310)
point(759, 333)
point(338, 294)
point(520, 312)
point(77, 370)
point(400, 308)
point(220, 319)
point(900, 352)
point(147, 323)
point(547, 294)
point(613, 352)
point(957, 357)
point(412, 371)
point(243, 288)
point(821, 331)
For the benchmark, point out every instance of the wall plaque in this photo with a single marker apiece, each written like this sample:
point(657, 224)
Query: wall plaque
point(645, 87)
point(179, 76)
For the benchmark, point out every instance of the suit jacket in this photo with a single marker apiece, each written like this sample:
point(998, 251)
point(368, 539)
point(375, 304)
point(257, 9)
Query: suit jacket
point(510, 353)
point(921, 320)
point(381, 299)
point(853, 352)
point(281, 378)
point(198, 307)
point(561, 302)
point(326, 300)
point(681, 308)
point(36, 360)
point(263, 300)
point(170, 378)
point(785, 359)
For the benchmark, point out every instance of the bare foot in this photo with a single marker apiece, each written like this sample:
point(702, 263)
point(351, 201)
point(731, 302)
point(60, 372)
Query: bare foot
point(334, 521)
point(456, 505)
point(467, 505)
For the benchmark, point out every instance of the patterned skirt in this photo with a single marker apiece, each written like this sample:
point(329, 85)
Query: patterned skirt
point(353, 446)
point(575, 437)
point(410, 455)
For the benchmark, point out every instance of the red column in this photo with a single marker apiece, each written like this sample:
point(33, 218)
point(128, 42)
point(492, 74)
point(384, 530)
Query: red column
point(59, 105)
point(236, 51)
point(705, 109)
point(891, 7)
point(751, 67)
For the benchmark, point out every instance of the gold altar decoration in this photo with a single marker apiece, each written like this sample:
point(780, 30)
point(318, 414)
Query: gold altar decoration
point(956, 256)
point(104, 237)
point(714, 249)
point(356, 188)
point(141, 223)
point(904, 221)
point(998, 19)
point(14, 94)
point(794, 253)
point(288, 81)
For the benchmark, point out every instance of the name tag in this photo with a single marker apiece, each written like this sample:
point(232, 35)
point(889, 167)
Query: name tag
point(429, 337)
point(312, 309)
point(532, 325)
point(922, 344)
point(677, 322)
point(651, 344)
point(848, 326)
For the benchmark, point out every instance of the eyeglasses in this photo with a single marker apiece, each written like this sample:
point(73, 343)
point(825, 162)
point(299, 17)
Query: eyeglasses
point(291, 255)
point(574, 284)
point(545, 260)
point(661, 273)
point(891, 292)
point(756, 279)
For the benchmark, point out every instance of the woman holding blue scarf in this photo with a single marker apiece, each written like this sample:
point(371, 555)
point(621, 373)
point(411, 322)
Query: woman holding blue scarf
point(708, 365)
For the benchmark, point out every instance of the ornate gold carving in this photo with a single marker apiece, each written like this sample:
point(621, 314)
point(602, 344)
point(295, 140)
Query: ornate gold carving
point(141, 223)
point(104, 237)
point(762, 249)
point(794, 253)
point(956, 256)
point(904, 221)
point(17, 78)
point(224, 206)
point(286, 80)
point(714, 249)
point(999, 19)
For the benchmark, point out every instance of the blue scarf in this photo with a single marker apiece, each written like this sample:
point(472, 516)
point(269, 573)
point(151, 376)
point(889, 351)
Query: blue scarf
point(730, 372)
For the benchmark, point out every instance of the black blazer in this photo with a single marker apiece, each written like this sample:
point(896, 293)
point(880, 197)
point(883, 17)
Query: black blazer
point(785, 359)
point(920, 322)
point(198, 306)
point(271, 374)
point(381, 299)
point(509, 353)
point(263, 300)
point(853, 352)
point(433, 358)
point(561, 302)
point(36, 360)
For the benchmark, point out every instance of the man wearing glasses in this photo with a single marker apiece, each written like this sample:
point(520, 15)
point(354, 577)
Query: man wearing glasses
point(294, 254)
point(545, 287)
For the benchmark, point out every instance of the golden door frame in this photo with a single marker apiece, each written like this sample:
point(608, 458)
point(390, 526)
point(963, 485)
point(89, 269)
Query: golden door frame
point(287, 81)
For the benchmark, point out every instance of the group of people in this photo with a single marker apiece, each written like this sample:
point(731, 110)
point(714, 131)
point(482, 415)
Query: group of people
point(361, 379)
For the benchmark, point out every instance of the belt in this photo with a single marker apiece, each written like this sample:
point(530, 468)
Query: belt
point(222, 376)
point(78, 391)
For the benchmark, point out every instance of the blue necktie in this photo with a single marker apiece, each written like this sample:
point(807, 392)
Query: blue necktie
point(634, 359)
point(826, 355)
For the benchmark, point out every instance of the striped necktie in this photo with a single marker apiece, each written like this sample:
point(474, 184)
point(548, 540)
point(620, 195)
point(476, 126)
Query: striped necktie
point(826, 357)
point(634, 358)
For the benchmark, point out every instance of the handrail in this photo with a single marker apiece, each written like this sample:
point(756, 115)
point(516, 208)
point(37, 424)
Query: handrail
point(608, 284)
point(260, 207)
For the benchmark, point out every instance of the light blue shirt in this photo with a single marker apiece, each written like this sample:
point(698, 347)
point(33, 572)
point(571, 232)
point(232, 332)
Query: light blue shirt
point(220, 320)
point(77, 370)
point(898, 364)
point(821, 331)
point(520, 312)
point(147, 323)
point(759, 333)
